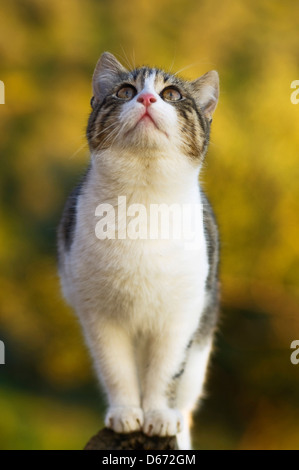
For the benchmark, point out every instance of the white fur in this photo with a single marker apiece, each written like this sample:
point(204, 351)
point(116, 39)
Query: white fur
point(140, 301)
point(145, 133)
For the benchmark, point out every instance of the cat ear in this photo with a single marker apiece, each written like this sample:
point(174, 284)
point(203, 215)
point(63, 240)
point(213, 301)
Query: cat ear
point(105, 74)
point(206, 90)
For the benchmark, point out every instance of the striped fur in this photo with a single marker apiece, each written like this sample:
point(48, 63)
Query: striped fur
point(148, 308)
point(194, 125)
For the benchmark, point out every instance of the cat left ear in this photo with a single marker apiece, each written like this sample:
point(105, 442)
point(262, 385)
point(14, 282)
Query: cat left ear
point(106, 73)
point(206, 90)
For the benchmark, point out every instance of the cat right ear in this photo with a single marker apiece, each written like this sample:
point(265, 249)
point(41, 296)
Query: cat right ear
point(107, 71)
point(207, 92)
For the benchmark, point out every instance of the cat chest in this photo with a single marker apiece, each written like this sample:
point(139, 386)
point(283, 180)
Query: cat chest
point(133, 256)
point(138, 278)
point(140, 283)
point(144, 268)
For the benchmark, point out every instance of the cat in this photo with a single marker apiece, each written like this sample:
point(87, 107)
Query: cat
point(148, 307)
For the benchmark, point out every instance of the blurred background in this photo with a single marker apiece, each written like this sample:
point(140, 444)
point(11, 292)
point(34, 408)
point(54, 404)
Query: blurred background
point(49, 398)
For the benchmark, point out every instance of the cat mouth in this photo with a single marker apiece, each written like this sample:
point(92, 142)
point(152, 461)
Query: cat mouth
point(147, 120)
point(147, 117)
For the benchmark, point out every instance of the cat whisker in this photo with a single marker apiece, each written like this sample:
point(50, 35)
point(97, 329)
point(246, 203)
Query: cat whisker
point(133, 59)
point(187, 67)
point(111, 135)
point(119, 132)
point(106, 128)
point(172, 63)
point(85, 145)
point(107, 138)
point(126, 59)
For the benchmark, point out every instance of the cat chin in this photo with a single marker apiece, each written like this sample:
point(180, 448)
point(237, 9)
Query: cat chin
point(145, 135)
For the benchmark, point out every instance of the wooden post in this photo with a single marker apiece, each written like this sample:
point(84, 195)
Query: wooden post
point(106, 439)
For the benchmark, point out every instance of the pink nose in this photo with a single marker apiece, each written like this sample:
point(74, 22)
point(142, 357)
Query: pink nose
point(146, 99)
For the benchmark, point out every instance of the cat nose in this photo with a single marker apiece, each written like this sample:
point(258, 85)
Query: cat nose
point(146, 99)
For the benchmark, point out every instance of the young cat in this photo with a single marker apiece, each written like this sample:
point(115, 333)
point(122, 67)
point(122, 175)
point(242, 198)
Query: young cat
point(148, 305)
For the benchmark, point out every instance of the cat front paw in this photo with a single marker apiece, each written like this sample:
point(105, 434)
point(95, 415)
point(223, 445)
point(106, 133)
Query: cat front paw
point(123, 419)
point(165, 422)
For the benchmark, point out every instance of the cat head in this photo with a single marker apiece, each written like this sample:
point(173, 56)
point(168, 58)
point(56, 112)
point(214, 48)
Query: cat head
point(147, 108)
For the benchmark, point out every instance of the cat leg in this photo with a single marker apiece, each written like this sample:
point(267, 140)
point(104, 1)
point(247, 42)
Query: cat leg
point(113, 354)
point(190, 387)
point(167, 351)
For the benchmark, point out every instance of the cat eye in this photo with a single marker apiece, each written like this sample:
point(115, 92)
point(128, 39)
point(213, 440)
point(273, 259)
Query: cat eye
point(171, 94)
point(126, 92)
